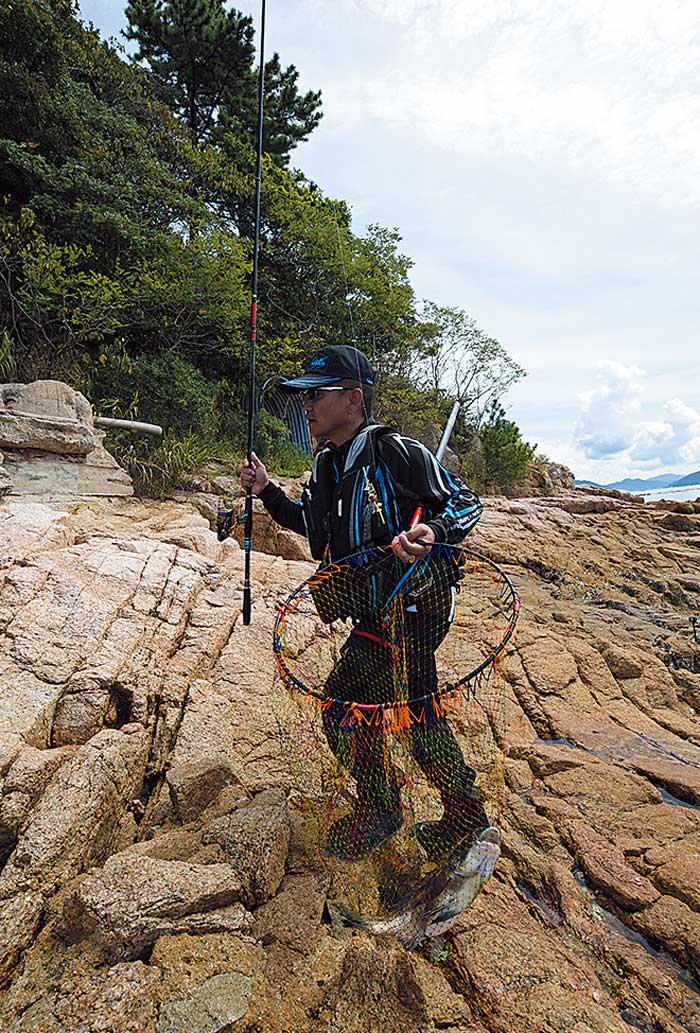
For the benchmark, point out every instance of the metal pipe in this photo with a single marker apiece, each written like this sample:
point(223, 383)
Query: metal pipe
point(142, 428)
point(447, 433)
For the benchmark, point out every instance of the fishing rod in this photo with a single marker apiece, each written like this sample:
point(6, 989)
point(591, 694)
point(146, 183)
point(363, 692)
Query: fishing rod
point(248, 517)
point(439, 453)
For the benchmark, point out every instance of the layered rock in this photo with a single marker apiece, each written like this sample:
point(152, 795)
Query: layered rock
point(50, 446)
point(155, 870)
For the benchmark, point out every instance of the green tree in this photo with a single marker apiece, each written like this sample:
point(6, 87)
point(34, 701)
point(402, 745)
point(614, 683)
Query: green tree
point(102, 285)
point(202, 58)
point(90, 151)
point(506, 457)
point(95, 189)
point(463, 362)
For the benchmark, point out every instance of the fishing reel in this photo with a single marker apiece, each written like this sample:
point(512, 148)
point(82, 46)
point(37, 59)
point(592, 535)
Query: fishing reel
point(225, 520)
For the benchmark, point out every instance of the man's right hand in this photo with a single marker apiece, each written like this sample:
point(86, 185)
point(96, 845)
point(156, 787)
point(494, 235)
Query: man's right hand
point(254, 475)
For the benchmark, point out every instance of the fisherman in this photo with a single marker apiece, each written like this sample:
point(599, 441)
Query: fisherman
point(366, 483)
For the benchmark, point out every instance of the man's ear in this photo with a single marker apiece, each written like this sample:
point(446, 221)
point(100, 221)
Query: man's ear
point(358, 399)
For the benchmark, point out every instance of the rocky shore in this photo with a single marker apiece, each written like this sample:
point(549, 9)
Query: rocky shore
point(152, 877)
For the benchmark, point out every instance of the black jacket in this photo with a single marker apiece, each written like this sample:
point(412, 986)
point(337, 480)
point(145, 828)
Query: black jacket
point(366, 491)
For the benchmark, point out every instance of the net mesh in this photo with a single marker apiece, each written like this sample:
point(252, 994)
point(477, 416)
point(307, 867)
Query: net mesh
point(399, 757)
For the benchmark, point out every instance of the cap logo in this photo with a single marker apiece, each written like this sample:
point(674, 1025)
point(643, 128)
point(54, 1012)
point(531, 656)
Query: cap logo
point(318, 362)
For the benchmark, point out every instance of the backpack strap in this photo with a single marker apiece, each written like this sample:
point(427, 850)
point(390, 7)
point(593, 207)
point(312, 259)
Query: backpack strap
point(362, 450)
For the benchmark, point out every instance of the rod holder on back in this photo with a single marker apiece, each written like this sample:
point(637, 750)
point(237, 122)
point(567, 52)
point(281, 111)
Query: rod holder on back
point(439, 453)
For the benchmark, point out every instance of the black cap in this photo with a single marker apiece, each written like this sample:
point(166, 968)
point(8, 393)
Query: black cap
point(332, 364)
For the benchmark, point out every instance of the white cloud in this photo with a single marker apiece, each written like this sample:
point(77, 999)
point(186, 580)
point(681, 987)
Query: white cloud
point(542, 161)
point(673, 440)
point(612, 424)
point(591, 87)
point(607, 423)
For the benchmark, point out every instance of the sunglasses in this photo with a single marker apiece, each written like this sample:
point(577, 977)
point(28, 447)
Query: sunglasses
point(312, 394)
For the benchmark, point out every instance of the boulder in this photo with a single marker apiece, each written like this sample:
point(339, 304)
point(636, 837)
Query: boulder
point(676, 868)
point(679, 522)
point(214, 1008)
point(294, 914)
point(35, 472)
point(76, 820)
point(26, 779)
point(20, 918)
point(119, 999)
point(194, 786)
point(51, 445)
point(379, 984)
point(46, 415)
point(548, 478)
point(606, 868)
point(129, 903)
point(255, 841)
point(674, 925)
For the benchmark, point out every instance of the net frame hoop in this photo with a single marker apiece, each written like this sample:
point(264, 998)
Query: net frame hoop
point(376, 710)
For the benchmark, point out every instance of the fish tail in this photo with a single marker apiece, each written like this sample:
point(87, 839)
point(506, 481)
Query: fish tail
point(377, 926)
point(349, 916)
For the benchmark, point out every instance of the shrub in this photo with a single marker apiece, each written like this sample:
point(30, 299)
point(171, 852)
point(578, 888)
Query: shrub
point(171, 392)
point(507, 458)
point(159, 469)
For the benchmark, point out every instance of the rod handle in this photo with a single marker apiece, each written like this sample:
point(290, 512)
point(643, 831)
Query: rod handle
point(416, 518)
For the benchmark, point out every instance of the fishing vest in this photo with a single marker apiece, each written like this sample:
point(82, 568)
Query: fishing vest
point(351, 501)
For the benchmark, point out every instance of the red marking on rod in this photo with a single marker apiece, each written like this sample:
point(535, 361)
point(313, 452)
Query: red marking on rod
point(416, 518)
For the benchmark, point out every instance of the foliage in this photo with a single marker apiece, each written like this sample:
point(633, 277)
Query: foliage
point(405, 406)
point(507, 458)
point(171, 392)
point(68, 319)
point(273, 445)
point(469, 447)
point(158, 469)
point(201, 56)
point(463, 361)
point(126, 250)
point(89, 149)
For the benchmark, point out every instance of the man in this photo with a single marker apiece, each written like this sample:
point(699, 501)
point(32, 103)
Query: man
point(366, 484)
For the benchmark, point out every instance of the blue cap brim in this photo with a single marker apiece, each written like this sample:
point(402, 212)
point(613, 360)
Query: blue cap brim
point(308, 380)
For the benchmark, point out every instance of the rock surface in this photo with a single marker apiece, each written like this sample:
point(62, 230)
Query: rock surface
point(214, 1008)
point(51, 446)
point(154, 875)
point(46, 415)
point(548, 478)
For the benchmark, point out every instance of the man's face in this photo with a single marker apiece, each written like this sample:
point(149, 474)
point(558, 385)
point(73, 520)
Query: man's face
point(334, 415)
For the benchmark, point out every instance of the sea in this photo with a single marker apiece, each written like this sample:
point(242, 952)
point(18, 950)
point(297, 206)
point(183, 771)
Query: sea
point(689, 493)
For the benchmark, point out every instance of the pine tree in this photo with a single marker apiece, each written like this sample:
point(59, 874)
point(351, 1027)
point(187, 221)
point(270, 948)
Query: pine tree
point(202, 57)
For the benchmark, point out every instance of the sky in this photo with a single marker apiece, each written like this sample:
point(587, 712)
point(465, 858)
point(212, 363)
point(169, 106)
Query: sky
point(541, 160)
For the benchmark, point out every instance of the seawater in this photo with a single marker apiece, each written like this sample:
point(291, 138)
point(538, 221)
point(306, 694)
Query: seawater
point(687, 494)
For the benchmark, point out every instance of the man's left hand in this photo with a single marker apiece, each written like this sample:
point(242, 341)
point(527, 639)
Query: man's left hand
point(406, 545)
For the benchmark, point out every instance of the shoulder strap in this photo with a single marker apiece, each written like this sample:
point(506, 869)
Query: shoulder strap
point(362, 449)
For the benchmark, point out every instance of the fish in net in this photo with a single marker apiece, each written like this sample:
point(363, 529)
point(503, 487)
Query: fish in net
point(398, 762)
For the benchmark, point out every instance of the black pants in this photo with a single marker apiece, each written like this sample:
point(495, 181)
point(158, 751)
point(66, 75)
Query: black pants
point(366, 672)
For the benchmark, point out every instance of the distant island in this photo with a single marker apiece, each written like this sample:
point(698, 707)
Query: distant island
point(662, 480)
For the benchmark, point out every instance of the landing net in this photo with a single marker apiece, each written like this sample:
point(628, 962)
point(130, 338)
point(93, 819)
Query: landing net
point(400, 755)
